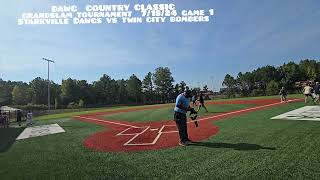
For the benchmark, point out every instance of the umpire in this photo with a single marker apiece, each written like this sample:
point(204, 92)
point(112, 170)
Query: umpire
point(182, 106)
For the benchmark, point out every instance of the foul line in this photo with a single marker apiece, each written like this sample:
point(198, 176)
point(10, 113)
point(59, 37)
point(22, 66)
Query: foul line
point(105, 121)
point(210, 117)
point(243, 110)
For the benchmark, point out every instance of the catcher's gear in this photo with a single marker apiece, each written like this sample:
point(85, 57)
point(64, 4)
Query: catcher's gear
point(193, 116)
point(193, 111)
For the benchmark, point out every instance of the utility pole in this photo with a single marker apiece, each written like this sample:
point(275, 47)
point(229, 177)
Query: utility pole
point(212, 79)
point(49, 61)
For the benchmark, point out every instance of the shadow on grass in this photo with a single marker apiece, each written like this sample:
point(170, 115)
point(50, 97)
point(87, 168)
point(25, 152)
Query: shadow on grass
point(238, 146)
point(8, 137)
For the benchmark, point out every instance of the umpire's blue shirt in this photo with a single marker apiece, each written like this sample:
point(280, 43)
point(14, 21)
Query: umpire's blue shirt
point(181, 100)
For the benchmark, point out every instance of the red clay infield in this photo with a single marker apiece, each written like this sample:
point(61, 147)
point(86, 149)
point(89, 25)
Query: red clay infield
point(120, 136)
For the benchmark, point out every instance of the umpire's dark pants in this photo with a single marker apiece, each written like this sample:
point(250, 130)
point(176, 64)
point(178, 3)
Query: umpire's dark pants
point(181, 122)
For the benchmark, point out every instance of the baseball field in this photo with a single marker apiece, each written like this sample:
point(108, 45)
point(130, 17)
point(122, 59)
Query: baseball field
point(236, 139)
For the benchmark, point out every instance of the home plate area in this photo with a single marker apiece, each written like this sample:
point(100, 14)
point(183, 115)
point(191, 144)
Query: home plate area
point(143, 136)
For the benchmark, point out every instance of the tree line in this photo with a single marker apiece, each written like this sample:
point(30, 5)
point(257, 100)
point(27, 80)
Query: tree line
point(267, 80)
point(157, 87)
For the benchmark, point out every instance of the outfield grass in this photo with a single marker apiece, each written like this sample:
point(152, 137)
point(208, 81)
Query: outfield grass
point(166, 113)
point(250, 146)
point(72, 114)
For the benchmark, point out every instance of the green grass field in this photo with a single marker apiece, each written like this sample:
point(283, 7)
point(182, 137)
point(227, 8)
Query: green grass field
point(250, 146)
point(71, 114)
point(166, 113)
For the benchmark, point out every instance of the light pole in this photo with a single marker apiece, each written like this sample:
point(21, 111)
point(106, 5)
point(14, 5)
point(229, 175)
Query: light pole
point(49, 61)
point(212, 79)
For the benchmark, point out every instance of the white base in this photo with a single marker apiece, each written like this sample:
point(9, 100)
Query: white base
point(306, 113)
point(43, 130)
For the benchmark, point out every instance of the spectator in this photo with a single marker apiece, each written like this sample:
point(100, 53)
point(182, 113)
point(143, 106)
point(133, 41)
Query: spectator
point(29, 118)
point(307, 91)
point(194, 100)
point(19, 116)
point(316, 91)
point(5, 120)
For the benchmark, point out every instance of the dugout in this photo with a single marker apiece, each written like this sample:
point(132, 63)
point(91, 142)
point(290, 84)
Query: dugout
point(10, 112)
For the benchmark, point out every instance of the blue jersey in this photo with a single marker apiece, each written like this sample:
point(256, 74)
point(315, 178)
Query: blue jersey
point(181, 100)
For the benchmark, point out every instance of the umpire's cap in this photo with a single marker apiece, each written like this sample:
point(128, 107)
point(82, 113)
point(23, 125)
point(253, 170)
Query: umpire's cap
point(188, 93)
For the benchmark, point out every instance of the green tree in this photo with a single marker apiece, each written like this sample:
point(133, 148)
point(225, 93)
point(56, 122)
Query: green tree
point(6, 92)
point(182, 86)
point(163, 82)
point(122, 91)
point(103, 90)
point(86, 92)
point(172, 94)
point(245, 83)
point(309, 68)
point(272, 88)
point(134, 88)
point(70, 91)
point(266, 74)
point(230, 83)
point(55, 91)
point(21, 94)
point(290, 73)
point(147, 87)
point(196, 90)
point(39, 88)
point(176, 91)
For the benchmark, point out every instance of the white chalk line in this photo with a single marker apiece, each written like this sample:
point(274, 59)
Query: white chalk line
point(105, 121)
point(221, 115)
point(160, 132)
point(242, 110)
point(123, 132)
point(134, 137)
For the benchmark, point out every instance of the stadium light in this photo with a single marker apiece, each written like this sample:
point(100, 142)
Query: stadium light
point(49, 61)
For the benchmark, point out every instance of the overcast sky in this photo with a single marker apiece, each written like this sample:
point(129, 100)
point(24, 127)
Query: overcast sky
point(242, 36)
